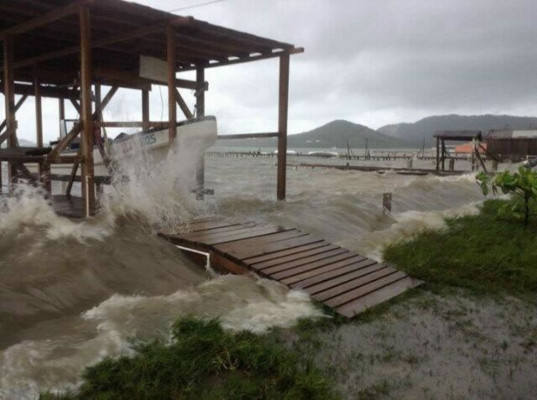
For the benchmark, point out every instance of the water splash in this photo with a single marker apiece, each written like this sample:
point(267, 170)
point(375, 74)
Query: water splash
point(240, 302)
point(28, 210)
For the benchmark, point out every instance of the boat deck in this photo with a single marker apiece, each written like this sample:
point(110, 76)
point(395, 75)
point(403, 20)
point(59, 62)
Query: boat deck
point(347, 282)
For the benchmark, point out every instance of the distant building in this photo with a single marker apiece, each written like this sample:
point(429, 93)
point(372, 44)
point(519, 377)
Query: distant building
point(512, 145)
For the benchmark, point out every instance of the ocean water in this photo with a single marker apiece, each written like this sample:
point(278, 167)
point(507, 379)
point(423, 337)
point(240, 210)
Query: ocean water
point(74, 292)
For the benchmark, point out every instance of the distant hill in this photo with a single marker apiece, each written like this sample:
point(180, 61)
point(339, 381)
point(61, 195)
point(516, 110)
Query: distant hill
point(333, 134)
point(426, 127)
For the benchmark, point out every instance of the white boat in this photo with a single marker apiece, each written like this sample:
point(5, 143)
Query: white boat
point(197, 135)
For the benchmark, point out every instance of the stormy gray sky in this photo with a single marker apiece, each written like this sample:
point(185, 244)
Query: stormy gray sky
point(370, 62)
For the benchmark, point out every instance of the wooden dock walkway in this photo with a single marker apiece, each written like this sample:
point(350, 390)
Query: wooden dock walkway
point(341, 279)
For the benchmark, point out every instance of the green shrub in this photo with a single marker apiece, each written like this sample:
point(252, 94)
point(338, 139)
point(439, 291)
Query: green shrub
point(522, 184)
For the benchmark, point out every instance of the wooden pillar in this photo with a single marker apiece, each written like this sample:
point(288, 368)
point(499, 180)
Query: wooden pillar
point(145, 109)
point(443, 155)
point(9, 93)
point(61, 107)
point(200, 113)
point(88, 187)
point(200, 92)
point(38, 112)
point(437, 154)
point(97, 97)
point(172, 107)
point(283, 105)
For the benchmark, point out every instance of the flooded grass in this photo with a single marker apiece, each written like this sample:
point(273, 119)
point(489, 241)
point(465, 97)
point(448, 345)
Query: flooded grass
point(484, 252)
point(205, 362)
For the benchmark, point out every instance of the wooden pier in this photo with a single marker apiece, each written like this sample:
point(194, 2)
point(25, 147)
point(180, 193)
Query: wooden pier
point(339, 278)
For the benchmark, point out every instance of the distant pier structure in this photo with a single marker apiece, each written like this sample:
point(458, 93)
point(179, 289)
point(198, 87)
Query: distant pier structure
point(69, 50)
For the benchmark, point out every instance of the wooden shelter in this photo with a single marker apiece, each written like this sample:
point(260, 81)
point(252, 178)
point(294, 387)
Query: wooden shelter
point(457, 136)
point(68, 49)
point(512, 145)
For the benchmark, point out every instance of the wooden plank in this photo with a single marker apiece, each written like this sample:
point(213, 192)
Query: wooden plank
point(335, 272)
point(294, 257)
point(222, 233)
point(251, 58)
point(355, 283)
point(336, 282)
point(316, 272)
point(362, 290)
point(20, 102)
point(52, 16)
point(376, 297)
point(266, 245)
point(248, 135)
point(182, 104)
point(283, 253)
point(225, 264)
point(313, 266)
point(210, 225)
point(258, 234)
point(283, 105)
point(308, 260)
point(221, 229)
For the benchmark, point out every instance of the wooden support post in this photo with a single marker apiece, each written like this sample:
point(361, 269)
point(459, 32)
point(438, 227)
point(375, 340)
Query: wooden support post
point(145, 109)
point(437, 154)
point(61, 106)
point(182, 105)
point(38, 113)
point(200, 113)
point(200, 92)
point(172, 108)
point(443, 155)
point(283, 105)
point(9, 93)
point(3, 125)
point(97, 98)
point(88, 187)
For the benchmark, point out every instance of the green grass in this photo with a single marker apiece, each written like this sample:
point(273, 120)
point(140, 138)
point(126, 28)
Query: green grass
point(485, 252)
point(205, 362)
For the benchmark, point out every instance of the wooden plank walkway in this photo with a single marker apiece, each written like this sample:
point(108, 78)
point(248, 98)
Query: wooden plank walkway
point(343, 280)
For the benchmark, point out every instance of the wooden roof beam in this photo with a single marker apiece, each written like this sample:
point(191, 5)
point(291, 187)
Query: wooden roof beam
point(71, 8)
point(97, 43)
point(295, 50)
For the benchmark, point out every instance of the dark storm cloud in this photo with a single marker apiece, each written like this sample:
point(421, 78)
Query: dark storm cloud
point(397, 59)
point(373, 62)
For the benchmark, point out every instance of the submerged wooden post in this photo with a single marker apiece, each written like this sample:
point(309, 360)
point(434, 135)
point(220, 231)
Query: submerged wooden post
point(172, 107)
point(9, 93)
point(283, 105)
point(88, 187)
point(437, 154)
point(443, 155)
point(387, 202)
point(145, 109)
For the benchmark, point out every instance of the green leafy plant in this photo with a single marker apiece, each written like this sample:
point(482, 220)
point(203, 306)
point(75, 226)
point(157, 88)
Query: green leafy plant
point(521, 184)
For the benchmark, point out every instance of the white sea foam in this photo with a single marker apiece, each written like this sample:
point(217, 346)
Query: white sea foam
point(406, 226)
point(239, 302)
point(28, 209)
